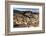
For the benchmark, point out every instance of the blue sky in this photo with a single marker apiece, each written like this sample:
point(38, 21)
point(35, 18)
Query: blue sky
point(27, 9)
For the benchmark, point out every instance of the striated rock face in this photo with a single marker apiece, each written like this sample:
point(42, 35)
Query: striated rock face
point(26, 19)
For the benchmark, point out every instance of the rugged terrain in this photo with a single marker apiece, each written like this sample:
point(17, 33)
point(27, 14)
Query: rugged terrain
point(26, 19)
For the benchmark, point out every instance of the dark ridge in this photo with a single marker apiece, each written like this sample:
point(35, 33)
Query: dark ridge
point(17, 11)
point(23, 12)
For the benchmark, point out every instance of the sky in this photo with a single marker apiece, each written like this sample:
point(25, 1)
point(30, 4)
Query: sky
point(27, 9)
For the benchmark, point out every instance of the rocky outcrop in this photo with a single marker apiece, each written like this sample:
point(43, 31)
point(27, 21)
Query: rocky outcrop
point(26, 19)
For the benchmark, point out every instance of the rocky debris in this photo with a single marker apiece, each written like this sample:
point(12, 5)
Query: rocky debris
point(26, 19)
